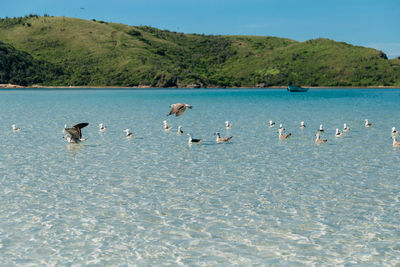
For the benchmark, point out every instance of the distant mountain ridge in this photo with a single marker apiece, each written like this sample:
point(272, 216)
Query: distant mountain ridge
point(60, 51)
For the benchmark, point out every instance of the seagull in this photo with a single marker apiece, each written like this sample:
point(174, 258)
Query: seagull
point(75, 132)
point(318, 140)
point(222, 140)
point(338, 134)
point(302, 125)
point(284, 136)
point(367, 123)
point(346, 128)
point(15, 128)
point(129, 134)
point(228, 125)
point(180, 130)
point(166, 126)
point(102, 128)
point(394, 132)
point(395, 142)
point(321, 130)
point(178, 109)
point(192, 140)
point(272, 124)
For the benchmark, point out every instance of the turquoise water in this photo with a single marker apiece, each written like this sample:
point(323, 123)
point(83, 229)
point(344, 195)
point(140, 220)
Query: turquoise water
point(154, 200)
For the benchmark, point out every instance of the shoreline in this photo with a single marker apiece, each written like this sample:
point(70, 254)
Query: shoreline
point(15, 86)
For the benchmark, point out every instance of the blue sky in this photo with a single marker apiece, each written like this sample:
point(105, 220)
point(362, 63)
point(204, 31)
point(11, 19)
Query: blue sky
point(372, 23)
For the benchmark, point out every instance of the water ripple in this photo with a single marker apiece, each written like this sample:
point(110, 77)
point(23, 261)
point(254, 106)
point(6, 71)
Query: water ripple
point(154, 200)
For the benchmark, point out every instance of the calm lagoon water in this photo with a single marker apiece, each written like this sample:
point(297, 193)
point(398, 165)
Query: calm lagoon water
point(154, 200)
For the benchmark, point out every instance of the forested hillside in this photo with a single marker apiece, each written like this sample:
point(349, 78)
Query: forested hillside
point(68, 51)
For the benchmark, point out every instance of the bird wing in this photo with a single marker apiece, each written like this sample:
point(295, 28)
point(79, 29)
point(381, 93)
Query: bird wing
point(78, 128)
point(176, 108)
point(80, 125)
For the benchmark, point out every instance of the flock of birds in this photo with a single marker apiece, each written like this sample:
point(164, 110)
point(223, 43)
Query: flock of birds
point(74, 134)
point(338, 133)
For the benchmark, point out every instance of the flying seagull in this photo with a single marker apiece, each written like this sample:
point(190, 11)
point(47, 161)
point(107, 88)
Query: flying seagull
point(178, 109)
point(75, 132)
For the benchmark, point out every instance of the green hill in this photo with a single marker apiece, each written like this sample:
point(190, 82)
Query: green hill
point(69, 51)
point(20, 68)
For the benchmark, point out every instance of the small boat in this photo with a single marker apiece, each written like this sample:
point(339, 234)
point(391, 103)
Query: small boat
point(293, 88)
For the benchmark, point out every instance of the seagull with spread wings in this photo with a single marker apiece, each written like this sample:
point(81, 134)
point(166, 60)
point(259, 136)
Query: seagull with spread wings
point(75, 133)
point(178, 109)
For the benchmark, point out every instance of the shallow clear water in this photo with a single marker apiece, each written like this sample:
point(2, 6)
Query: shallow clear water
point(154, 200)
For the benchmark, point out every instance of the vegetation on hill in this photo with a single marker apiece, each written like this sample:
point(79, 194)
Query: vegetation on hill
point(20, 68)
point(69, 51)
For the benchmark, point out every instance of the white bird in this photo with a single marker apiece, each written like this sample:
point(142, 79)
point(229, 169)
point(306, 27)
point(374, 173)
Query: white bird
point(180, 131)
point(228, 125)
point(338, 134)
point(302, 125)
point(102, 128)
point(15, 128)
point(272, 124)
point(281, 128)
point(346, 128)
point(166, 126)
point(321, 129)
point(222, 140)
point(367, 123)
point(178, 109)
point(284, 136)
point(129, 134)
point(394, 131)
point(395, 142)
point(75, 133)
point(192, 140)
point(318, 140)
